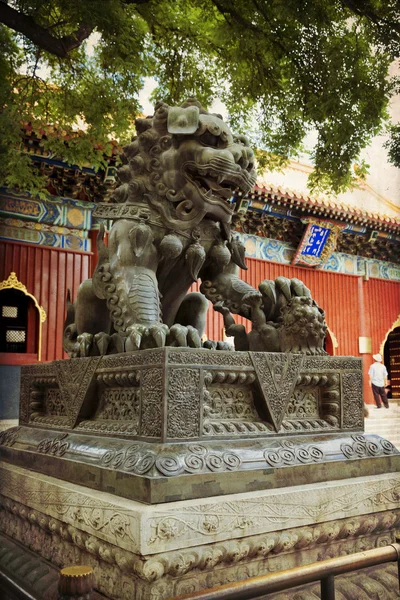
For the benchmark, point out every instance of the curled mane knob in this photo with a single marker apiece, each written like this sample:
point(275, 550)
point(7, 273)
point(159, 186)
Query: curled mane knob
point(171, 246)
point(220, 254)
point(121, 193)
point(124, 174)
point(195, 257)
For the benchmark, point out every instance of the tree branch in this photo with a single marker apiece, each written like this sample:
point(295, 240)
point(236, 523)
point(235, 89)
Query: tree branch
point(364, 10)
point(40, 36)
point(236, 16)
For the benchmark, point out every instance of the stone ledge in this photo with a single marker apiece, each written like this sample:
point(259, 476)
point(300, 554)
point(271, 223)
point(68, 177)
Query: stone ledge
point(144, 530)
point(154, 473)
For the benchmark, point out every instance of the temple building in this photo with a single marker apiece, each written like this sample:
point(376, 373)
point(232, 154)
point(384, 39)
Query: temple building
point(346, 250)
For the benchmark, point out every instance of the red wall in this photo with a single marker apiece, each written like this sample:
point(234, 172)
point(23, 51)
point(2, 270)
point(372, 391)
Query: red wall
point(353, 307)
point(47, 273)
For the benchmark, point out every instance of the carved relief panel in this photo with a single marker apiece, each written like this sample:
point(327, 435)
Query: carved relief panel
point(164, 395)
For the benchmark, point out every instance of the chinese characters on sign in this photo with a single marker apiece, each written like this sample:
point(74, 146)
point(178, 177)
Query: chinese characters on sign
point(318, 242)
point(317, 238)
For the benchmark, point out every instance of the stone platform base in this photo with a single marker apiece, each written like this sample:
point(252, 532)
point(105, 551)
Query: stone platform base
point(174, 470)
point(37, 577)
point(173, 424)
point(161, 551)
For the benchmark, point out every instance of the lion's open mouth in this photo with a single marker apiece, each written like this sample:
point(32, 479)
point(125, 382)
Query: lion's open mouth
point(212, 187)
point(218, 180)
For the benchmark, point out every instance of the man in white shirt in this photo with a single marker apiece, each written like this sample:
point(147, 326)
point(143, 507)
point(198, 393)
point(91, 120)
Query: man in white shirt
point(378, 380)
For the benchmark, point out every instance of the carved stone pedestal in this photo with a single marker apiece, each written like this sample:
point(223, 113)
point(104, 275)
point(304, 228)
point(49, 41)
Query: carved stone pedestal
point(174, 470)
point(157, 552)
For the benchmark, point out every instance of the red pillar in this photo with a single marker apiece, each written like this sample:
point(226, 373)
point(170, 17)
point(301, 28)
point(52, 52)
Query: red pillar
point(365, 331)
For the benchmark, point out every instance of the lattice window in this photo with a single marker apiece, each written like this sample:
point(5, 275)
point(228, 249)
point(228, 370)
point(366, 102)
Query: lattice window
point(10, 312)
point(14, 321)
point(15, 336)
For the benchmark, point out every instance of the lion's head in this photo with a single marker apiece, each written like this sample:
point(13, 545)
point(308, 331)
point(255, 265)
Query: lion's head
point(186, 163)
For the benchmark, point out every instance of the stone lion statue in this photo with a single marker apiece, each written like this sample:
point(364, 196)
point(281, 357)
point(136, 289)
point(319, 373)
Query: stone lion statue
point(171, 226)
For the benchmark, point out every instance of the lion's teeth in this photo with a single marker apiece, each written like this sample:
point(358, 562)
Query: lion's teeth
point(220, 179)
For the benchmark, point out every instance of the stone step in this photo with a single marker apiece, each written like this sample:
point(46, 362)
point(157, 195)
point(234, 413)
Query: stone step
point(378, 411)
point(384, 422)
point(376, 429)
point(381, 430)
point(384, 434)
point(373, 410)
point(392, 428)
point(384, 416)
point(392, 423)
point(389, 419)
point(389, 435)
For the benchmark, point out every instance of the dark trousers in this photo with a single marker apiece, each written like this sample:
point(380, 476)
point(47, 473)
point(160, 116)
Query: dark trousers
point(379, 393)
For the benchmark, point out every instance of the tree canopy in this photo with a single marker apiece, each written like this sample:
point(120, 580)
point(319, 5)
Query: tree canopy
point(283, 68)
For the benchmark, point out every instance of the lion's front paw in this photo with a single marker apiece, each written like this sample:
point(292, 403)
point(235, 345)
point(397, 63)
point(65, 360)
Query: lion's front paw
point(252, 299)
point(142, 337)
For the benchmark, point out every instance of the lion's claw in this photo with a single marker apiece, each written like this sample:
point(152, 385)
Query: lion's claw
point(193, 338)
point(85, 341)
point(159, 333)
point(134, 339)
point(102, 341)
point(177, 335)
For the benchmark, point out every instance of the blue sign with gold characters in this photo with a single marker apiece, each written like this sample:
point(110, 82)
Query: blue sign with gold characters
point(317, 238)
point(318, 242)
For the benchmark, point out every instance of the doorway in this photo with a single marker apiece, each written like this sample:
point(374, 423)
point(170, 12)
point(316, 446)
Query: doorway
point(391, 356)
